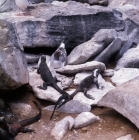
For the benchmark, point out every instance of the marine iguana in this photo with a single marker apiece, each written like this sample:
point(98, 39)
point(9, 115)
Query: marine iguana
point(83, 87)
point(48, 79)
point(15, 127)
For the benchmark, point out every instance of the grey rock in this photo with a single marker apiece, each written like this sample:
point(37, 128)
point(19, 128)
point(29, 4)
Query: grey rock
point(117, 3)
point(93, 91)
point(21, 109)
point(108, 73)
point(85, 119)
point(65, 81)
point(123, 75)
point(127, 137)
point(7, 5)
point(93, 47)
point(62, 127)
point(71, 69)
point(13, 65)
point(124, 99)
point(48, 24)
point(127, 44)
point(130, 59)
point(107, 53)
point(31, 58)
point(72, 106)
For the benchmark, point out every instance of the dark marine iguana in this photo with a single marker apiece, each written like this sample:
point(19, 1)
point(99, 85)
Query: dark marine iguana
point(15, 127)
point(49, 80)
point(83, 87)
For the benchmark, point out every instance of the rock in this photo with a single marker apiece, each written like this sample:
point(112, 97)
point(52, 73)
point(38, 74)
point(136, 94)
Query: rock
point(130, 59)
point(93, 47)
point(107, 53)
point(65, 81)
point(127, 137)
point(62, 127)
point(7, 5)
point(48, 24)
point(127, 44)
point(72, 106)
point(50, 94)
point(124, 99)
point(123, 75)
point(71, 69)
point(31, 58)
point(108, 73)
point(93, 91)
point(21, 109)
point(85, 119)
point(13, 66)
point(117, 3)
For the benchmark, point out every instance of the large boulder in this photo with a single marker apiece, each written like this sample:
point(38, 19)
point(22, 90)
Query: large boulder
point(48, 24)
point(13, 66)
point(93, 47)
point(130, 59)
point(124, 99)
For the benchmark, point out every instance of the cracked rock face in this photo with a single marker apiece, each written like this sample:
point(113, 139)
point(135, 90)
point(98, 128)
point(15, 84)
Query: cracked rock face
point(13, 65)
point(48, 24)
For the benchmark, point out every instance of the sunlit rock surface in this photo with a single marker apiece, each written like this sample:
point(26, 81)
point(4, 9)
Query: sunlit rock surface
point(85, 119)
point(123, 75)
point(62, 127)
point(130, 59)
point(73, 106)
point(13, 65)
point(72, 69)
point(124, 99)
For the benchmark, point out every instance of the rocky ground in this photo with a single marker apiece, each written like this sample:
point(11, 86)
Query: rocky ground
point(111, 126)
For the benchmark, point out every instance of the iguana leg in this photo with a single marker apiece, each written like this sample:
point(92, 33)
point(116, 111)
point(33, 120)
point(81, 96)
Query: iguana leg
point(44, 87)
point(87, 95)
point(56, 80)
point(25, 130)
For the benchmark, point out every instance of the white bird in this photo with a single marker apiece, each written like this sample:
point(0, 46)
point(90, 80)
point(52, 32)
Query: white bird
point(22, 4)
point(59, 58)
